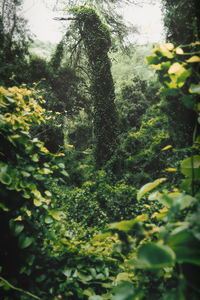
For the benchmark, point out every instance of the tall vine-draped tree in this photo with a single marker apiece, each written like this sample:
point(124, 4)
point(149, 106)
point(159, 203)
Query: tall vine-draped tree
point(181, 20)
point(14, 40)
point(96, 40)
point(182, 26)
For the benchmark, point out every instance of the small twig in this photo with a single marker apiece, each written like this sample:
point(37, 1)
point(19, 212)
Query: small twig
point(18, 289)
point(63, 19)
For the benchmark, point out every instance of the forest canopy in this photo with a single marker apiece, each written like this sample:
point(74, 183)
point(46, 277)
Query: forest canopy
point(100, 157)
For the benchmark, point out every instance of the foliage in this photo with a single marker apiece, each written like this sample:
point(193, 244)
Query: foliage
point(42, 49)
point(56, 242)
point(181, 20)
point(178, 71)
point(25, 201)
point(41, 254)
point(169, 248)
point(14, 38)
point(131, 63)
point(132, 102)
point(107, 10)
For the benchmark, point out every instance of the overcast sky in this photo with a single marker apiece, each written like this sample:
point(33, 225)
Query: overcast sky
point(148, 18)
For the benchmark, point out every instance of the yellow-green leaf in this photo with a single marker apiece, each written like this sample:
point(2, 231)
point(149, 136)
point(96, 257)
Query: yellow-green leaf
point(37, 202)
point(179, 50)
point(167, 147)
point(191, 167)
point(194, 88)
point(175, 67)
point(193, 59)
point(127, 225)
point(148, 187)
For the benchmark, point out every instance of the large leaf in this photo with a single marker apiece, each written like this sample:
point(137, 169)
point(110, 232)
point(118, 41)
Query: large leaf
point(194, 88)
point(148, 187)
point(152, 60)
point(193, 59)
point(126, 291)
point(127, 225)
point(5, 178)
point(25, 241)
point(165, 50)
point(57, 214)
point(186, 247)
point(175, 67)
point(18, 228)
point(154, 256)
point(191, 167)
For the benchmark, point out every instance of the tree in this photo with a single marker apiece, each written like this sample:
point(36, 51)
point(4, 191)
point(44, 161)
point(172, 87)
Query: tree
point(96, 39)
point(14, 39)
point(107, 10)
point(181, 20)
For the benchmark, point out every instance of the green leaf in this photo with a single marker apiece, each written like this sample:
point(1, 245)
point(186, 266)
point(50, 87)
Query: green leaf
point(154, 256)
point(188, 101)
point(194, 88)
point(67, 272)
point(148, 187)
point(95, 297)
point(48, 193)
point(5, 178)
point(152, 60)
point(25, 241)
point(187, 201)
point(57, 214)
point(41, 278)
point(126, 226)
point(25, 174)
point(186, 247)
point(3, 207)
point(18, 228)
point(191, 167)
point(63, 172)
point(169, 92)
point(35, 157)
point(61, 165)
point(45, 171)
point(84, 277)
point(127, 291)
point(48, 220)
point(165, 65)
point(37, 202)
point(123, 277)
point(11, 100)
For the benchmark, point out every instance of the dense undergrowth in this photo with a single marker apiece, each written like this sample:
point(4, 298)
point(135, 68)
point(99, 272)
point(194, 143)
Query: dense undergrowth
point(126, 231)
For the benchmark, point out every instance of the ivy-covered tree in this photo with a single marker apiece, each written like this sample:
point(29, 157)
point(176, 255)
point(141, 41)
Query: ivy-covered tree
point(96, 39)
point(181, 20)
point(14, 38)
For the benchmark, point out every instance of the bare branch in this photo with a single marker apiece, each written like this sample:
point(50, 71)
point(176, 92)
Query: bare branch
point(63, 19)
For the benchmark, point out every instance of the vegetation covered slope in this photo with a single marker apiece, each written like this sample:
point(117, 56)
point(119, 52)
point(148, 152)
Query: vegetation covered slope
point(128, 230)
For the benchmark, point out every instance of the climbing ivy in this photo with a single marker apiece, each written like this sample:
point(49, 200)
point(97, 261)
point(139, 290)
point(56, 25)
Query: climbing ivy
point(96, 39)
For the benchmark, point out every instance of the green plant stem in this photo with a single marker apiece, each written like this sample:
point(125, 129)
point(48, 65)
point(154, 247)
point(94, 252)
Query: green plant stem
point(18, 289)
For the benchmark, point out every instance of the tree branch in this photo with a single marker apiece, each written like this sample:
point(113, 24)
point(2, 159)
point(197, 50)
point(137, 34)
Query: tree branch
point(63, 19)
